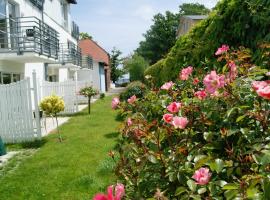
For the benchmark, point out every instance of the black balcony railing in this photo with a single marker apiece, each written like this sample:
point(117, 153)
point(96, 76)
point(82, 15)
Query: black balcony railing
point(87, 62)
point(70, 54)
point(75, 32)
point(38, 3)
point(28, 34)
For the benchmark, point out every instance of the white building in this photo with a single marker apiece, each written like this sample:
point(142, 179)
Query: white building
point(38, 35)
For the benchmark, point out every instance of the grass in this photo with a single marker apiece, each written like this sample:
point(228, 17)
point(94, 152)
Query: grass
point(75, 169)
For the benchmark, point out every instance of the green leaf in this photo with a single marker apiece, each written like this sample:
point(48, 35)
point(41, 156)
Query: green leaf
point(202, 190)
point(230, 186)
point(240, 118)
point(231, 194)
point(192, 185)
point(202, 162)
point(266, 189)
point(252, 193)
point(196, 197)
point(180, 190)
point(208, 136)
point(219, 165)
point(152, 159)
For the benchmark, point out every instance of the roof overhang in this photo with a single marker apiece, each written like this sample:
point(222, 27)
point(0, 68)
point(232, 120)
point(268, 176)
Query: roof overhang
point(72, 1)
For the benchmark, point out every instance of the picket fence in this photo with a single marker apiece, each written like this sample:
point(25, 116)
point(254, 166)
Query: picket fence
point(68, 90)
point(19, 110)
point(17, 120)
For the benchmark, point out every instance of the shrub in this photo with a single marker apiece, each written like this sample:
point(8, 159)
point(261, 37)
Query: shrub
point(52, 106)
point(134, 88)
point(102, 96)
point(232, 22)
point(202, 137)
point(88, 92)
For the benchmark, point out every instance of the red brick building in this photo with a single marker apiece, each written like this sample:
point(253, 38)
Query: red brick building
point(91, 48)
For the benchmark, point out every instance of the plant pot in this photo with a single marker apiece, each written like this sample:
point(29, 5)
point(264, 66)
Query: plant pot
point(2, 148)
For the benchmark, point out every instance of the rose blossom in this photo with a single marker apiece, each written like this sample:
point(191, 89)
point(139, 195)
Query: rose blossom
point(132, 99)
point(224, 48)
point(129, 122)
point(184, 75)
point(262, 88)
point(180, 122)
point(200, 94)
point(202, 176)
point(213, 82)
point(119, 193)
point(167, 85)
point(115, 102)
point(233, 70)
point(174, 107)
point(168, 118)
point(196, 81)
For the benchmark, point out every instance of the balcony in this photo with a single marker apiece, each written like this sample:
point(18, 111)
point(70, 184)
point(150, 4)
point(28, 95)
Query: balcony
point(75, 32)
point(87, 62)
point(70, 55)
point(28, 39)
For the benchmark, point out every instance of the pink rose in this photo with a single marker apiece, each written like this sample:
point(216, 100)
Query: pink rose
point(184, 75)
point(224, 48)
point(115, 102)
point(200, 94)
point(180, 122)
point(129, 122)
point(168, 118)
point(202, 176)
point(174, 107)
point(264, 92)
point(262, 88)
point(233, 70)
point(267, 73)
point(132, 99)
point(196, 81)
point(167, 85)
point(213, 82)
point(119, 193)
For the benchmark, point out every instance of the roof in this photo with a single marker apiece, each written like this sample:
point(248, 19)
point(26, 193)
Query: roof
point(89, 47)
point(72, 1)
point(195, 17)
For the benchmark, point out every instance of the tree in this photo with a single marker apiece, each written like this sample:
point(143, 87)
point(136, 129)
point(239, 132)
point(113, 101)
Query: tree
point(88, 92)
point(193, 9)
point(136, 66)
point(115, 61)
point(85, 36)
point(162, 34)
point(159, 38)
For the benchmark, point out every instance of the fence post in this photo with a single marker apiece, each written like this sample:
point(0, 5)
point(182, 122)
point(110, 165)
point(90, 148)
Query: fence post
point(76, 91)
point(37, 113)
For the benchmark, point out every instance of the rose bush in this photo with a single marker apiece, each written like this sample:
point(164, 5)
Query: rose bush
point(209, 140)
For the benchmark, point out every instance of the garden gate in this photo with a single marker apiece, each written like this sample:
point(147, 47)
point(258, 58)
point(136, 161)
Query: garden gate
point(18, 123)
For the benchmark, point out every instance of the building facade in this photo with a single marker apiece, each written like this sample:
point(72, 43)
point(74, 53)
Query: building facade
point(38, 35)
point(186, 22)
point(101, 71)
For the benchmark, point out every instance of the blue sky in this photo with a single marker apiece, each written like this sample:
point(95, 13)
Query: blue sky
point(121, 23)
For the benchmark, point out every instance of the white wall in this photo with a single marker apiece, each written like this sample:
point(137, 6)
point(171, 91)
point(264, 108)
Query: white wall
point(85, 75)
point(11, 67)
point(96, 76)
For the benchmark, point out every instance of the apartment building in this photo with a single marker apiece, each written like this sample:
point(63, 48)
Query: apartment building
point(38, 35)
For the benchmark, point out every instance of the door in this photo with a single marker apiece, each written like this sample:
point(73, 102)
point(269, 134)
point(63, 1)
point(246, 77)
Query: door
point(102, 78)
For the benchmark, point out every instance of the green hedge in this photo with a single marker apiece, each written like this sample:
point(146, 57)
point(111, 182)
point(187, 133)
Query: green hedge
point(134, 88)
point(233, 22)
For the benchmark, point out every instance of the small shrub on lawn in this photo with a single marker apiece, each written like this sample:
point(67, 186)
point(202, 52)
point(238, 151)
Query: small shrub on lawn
point(134, 88)
point(88, 92)
point(201, 137)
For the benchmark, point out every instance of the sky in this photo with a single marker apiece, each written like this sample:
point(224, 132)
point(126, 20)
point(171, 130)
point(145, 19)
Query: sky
point(121, 23)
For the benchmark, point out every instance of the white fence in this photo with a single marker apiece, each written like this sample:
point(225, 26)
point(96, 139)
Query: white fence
point(68, 90)
point(17, 122)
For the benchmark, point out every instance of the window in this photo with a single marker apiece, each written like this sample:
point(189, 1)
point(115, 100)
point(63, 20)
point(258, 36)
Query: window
point(64, 10)
point(75, 31)
point(7, 78)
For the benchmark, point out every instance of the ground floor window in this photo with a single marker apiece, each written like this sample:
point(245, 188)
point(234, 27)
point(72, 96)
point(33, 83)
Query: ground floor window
point(7, 78)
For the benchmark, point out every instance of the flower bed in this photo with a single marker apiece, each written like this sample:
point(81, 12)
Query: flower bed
point(206, 136)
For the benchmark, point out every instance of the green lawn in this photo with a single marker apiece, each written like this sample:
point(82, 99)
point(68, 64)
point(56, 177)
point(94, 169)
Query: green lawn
point(75, 169)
